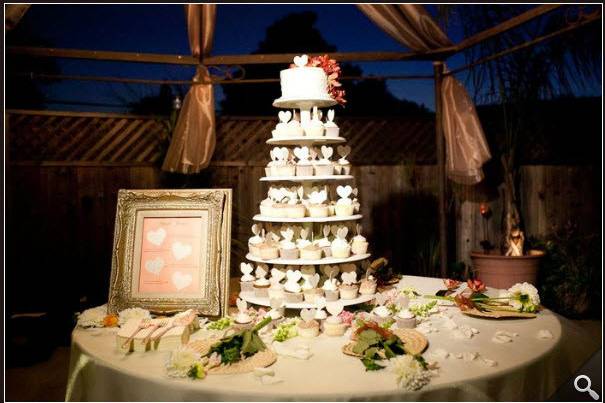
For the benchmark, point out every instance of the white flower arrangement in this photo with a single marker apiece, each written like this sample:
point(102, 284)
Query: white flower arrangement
point(523, 297)
point(409, 372)
point(132, 313)
point(93, 317)
point(181, 361)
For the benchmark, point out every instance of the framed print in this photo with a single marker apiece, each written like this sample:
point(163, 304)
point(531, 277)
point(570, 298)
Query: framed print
point(171, 251)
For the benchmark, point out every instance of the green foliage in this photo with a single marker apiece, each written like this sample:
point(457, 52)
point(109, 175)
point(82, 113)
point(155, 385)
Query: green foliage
point(570, 271)
point(371, 365)
point(372, 346)
point(245, 343)
point(220, 324)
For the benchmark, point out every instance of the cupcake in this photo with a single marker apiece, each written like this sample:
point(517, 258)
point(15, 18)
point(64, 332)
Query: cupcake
point(308, 329)
point(261, 287)
point(334, 326)
point(340, 248)
point(268, 251)
point(344, 207)
point(359, 246)
point(317, 206)
point(311, 252)
point(242, 320)
point(312, 294)
point(330, 289)
point(332, 129)
point(303, 242)
point(323, 168)
point(315, 128)
point(293, 128)
point(368, 286)
point(266, 207)
point(287, 248)
point(405, 319)
point(247, 280)
point(348, 291)
point(276, 290)
point(295, 211)
point(285, 169)
point(292, 290)
point(345, 166)
point(255, 241)
point(381, 314)
point(325, 245)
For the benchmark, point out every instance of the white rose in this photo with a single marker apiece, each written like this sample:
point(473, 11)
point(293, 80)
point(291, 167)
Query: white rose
point(132, 313)
point(92, 317)
point(180, 362)
point(409, 373)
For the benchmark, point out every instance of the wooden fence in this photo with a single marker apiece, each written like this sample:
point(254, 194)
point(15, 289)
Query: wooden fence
point(66, 168)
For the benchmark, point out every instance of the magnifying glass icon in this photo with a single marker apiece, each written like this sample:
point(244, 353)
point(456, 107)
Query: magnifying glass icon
point(591, 392)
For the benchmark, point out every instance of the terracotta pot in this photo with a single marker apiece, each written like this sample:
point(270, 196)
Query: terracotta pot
point(502, 272)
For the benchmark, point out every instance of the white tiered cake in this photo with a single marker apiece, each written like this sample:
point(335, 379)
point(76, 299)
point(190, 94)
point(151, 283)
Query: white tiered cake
point(303, 235)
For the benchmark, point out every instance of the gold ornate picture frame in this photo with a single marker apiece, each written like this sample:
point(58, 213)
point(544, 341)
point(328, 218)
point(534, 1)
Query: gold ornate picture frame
point(171, 251)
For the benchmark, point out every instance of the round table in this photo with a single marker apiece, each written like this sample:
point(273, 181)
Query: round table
point(528, 368)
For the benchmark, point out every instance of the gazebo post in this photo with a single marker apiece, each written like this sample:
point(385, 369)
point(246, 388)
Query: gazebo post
point(438, 68)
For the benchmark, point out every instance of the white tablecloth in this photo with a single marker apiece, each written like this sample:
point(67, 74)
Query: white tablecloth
point(528, 368)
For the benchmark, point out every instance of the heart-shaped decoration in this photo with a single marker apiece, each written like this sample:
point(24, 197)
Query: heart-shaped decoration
point(278, 275)
point(331, 271)
point(320, 303)
point(288, 234)
point(304, 233)
point(181, 280)
point(246, 268)
point(301, 61)
point(285, 153)
point(181, 250)
point(261, 270)
point(242, 306)
point(256, 229)
point(381, 299)
point(314, 280)
point(276, 303)
point(284, 116)
point(344, 191)
point(293, 276)
point(154, 266)
point(275, 153)
point(313, 153)
point(307, 314)
point(348, 267)
point(342, 232)
point(358, 229)
point(355, 191)
point(327, 152)
point(335, 307)
point(331, 115)
point(349, 278)
point(326, 230)
point(334, 229)
point(343, 151)
point(156, 237)
point(302, 153)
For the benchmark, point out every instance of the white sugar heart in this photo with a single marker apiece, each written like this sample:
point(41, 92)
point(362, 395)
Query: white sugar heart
point(302, 153)
point(349, 278)
point(344, 191)
point(181, 250)
point(314, 280)
point(284, 116)
point(246, 268)
point(256, 229)
point(301, 61)
point(343, 151)
point(326, 230)
point(331, 115)
point(288, 234)
point(278, 275)
point(334, 229)
point(304, 233)
point(334, 307)
point(355, 191)
point(242, 306)
point(284, 153)
point(181, 280)
point(293, 276)
point(327, 152)
point(156, 237)
point(342, 232)
point(154, 266)
point(347, 267)
point(307, 314)
point(320, 302)
point(331, 271)
point(381, 299)
point(261, 270)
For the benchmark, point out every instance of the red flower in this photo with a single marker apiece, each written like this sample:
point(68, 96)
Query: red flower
point(463, 302)
point(332, 69)
point(451, 284)
point(475, 285)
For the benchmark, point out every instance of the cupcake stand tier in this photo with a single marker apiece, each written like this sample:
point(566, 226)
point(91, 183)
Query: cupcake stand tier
point(333, 218)
point(303, 262)
point(305, 140)
point(312, 178)
point(249, 296)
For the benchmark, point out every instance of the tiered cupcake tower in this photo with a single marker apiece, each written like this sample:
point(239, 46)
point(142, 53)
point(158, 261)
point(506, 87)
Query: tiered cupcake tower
point(310, 225)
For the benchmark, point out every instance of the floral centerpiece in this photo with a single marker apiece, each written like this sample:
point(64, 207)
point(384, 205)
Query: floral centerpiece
point(333, 71)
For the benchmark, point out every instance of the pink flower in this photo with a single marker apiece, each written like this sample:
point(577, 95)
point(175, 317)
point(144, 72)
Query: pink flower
point(476, 285)
point(347, 317)
point(332, 69)
point(451, 284)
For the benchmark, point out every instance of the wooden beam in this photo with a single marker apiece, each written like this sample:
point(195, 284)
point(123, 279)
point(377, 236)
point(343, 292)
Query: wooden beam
point(505, 26)
point(439, 68)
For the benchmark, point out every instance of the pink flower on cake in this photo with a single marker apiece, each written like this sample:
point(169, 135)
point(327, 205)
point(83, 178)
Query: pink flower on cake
point(346, 317)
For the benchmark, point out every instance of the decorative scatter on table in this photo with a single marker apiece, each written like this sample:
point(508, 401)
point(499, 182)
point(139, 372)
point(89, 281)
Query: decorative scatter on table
point(132, 313)
point(503, 337)
point(468, 356)
point(423, 310)
point(266, 376)
point(220, 324)
point(301, 351)
point(426, 328)
point(544, 334)
point(286, 330)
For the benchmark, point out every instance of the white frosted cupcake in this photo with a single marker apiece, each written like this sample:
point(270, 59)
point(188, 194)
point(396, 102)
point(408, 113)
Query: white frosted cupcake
point(405, 319)
point(247, 280)
point(323, 168)
point(340, 248)
point(348, 291)
point(261, 287)
point(368, 286)
point(344, 207)
point(308, 329)
point(334, 326)
point(359, 246)
point(381, 314)
point(266, 207)
point(311, 252)
point(332, 129)
point(345, 166)
point(330, 288)
point(295, 210)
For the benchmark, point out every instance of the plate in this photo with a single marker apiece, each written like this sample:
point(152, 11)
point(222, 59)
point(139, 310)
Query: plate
point(292, 141)
point(312, 178)
point(333, 218)
point(302, 262)
point(249, 296)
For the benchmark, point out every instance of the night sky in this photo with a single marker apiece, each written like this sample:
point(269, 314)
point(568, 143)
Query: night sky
point(162, 29)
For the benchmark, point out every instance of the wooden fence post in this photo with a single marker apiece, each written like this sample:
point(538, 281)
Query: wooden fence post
point(438, 68)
